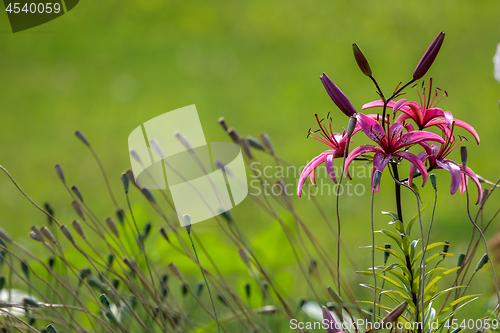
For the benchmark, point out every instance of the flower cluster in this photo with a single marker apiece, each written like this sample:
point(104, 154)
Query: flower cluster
point(394, 135)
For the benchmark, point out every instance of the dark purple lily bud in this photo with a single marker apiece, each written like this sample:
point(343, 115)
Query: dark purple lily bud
point(387, 246)
point(361, 60)
point(337, 96)
point(446, 247)
point(393, 316)
point(463, 154)
point(429, 56)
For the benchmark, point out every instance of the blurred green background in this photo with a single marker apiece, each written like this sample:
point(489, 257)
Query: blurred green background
point(108, 66)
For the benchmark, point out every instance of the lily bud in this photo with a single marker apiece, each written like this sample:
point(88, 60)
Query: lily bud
point(184, 141)
point(60, 173)
point(163, 232)
point(351, 126)
point(125, 182)
point(78, 209)
point(246, 148)
point(433, 180)
point(52, 261)
point(222, 122)
point(175, 270)
point(147, 193)
point(376, 178)
point(130, 175)
point(64, 229)
point(156, 146)
point(222, 299)
point(337, 96)
point(111, 259)
point(463, 154)
point(199, 288)
point(187, 222)
point(82, 138)
point(254, 143)
point(104, 300)
point(35, 234)
point(28, 301)
point(146, 230)
point(26, 270)
point(446, 247)
point(49, 210)
point(248, 289)
point(395, 313)
point(234, 136)
point(386, 254)
point(120, 214)
point(184, 289)
point(135, 156)
point(484, 259)
point(429, 56)
point(331, 326)
point(48, 234)
point(78, 228)
point(361, 60)
point(112, 226)
point(244, 256)
point(51, 329)
point(77, 192)
point(460, 260)
point(266, 141)
point(338, 301)
point(130, 264)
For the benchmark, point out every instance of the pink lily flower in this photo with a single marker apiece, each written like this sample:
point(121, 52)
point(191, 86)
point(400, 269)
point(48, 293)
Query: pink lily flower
point(336, 141)
point(425, 115)
point(390, 146)
point(436, 157)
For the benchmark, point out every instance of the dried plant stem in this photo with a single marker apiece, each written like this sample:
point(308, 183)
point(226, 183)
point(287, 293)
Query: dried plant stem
point(106, 180)
point(485, 247)
point(204, 277)
point(27, 197)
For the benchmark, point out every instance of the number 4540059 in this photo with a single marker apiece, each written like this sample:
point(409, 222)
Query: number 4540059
point(34, 8)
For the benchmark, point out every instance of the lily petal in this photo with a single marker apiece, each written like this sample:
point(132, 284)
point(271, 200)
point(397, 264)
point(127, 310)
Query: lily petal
point(327, 316)
point(357, 152)
point(472, 175)
point(432, 113)
point(458, 123)
point(414, 160)
point(378, 103)
point(372, 129)
point(414, 137)
point(454, 170)
point(329, 168)
point(413, 168)
point(398, 105)
point(309, 168)
point(380, 161)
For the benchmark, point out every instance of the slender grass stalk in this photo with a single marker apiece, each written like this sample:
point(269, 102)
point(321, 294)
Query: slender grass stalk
point(373, 260)
point(188, 229)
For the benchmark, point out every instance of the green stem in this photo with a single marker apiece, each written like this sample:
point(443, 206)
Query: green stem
point(204, 277)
